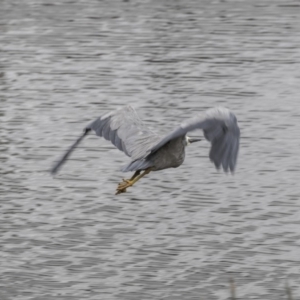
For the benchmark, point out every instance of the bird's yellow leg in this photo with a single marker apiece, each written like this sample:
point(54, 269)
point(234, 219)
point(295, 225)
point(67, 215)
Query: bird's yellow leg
point(130, 182)
point(137, 173)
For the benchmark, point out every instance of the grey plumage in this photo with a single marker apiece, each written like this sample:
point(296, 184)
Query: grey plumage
point(147, 149)
point(126, 131)
point(220, 127)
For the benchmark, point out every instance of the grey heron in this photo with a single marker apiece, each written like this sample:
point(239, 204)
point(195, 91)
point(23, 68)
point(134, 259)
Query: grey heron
point(151, 152)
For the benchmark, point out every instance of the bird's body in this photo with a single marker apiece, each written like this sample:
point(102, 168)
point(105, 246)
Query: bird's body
point(171, 155)
point(152, 152)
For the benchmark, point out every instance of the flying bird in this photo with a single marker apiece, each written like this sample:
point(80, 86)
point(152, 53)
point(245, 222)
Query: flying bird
point(150, 151)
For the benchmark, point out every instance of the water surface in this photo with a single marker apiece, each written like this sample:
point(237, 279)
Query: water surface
point(179, 233)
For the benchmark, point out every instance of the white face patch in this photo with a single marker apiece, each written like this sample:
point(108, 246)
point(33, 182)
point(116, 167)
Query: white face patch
point(187, 140)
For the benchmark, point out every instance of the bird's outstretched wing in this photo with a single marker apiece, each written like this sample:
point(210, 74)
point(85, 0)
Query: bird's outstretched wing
point(124, 129)
point(220, 128)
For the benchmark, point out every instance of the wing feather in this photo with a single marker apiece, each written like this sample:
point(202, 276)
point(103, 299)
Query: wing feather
point(220, 127)
point(126, 131)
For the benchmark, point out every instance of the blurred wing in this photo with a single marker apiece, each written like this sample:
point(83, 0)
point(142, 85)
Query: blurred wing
point(126, 131)
point(220, 128)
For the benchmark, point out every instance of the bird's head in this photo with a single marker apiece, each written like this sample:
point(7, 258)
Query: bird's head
point(190, 140)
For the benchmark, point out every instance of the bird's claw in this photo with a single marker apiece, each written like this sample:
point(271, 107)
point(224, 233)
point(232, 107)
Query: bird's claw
point(124, 181)
point(123, 186)
point(120, 191)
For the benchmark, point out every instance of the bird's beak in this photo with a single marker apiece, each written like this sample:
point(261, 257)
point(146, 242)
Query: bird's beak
point(194, 140)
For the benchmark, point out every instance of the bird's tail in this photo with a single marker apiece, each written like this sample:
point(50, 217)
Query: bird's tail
point(58, 164)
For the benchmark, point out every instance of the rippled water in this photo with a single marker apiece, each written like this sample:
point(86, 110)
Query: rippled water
point(180, 233)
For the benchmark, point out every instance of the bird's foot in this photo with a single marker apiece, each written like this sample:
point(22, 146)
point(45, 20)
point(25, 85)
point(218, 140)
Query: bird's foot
point(123, 186)
point(120, 191)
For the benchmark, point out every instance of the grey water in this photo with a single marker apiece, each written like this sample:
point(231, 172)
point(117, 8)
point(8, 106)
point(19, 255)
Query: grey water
point(179, 233)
